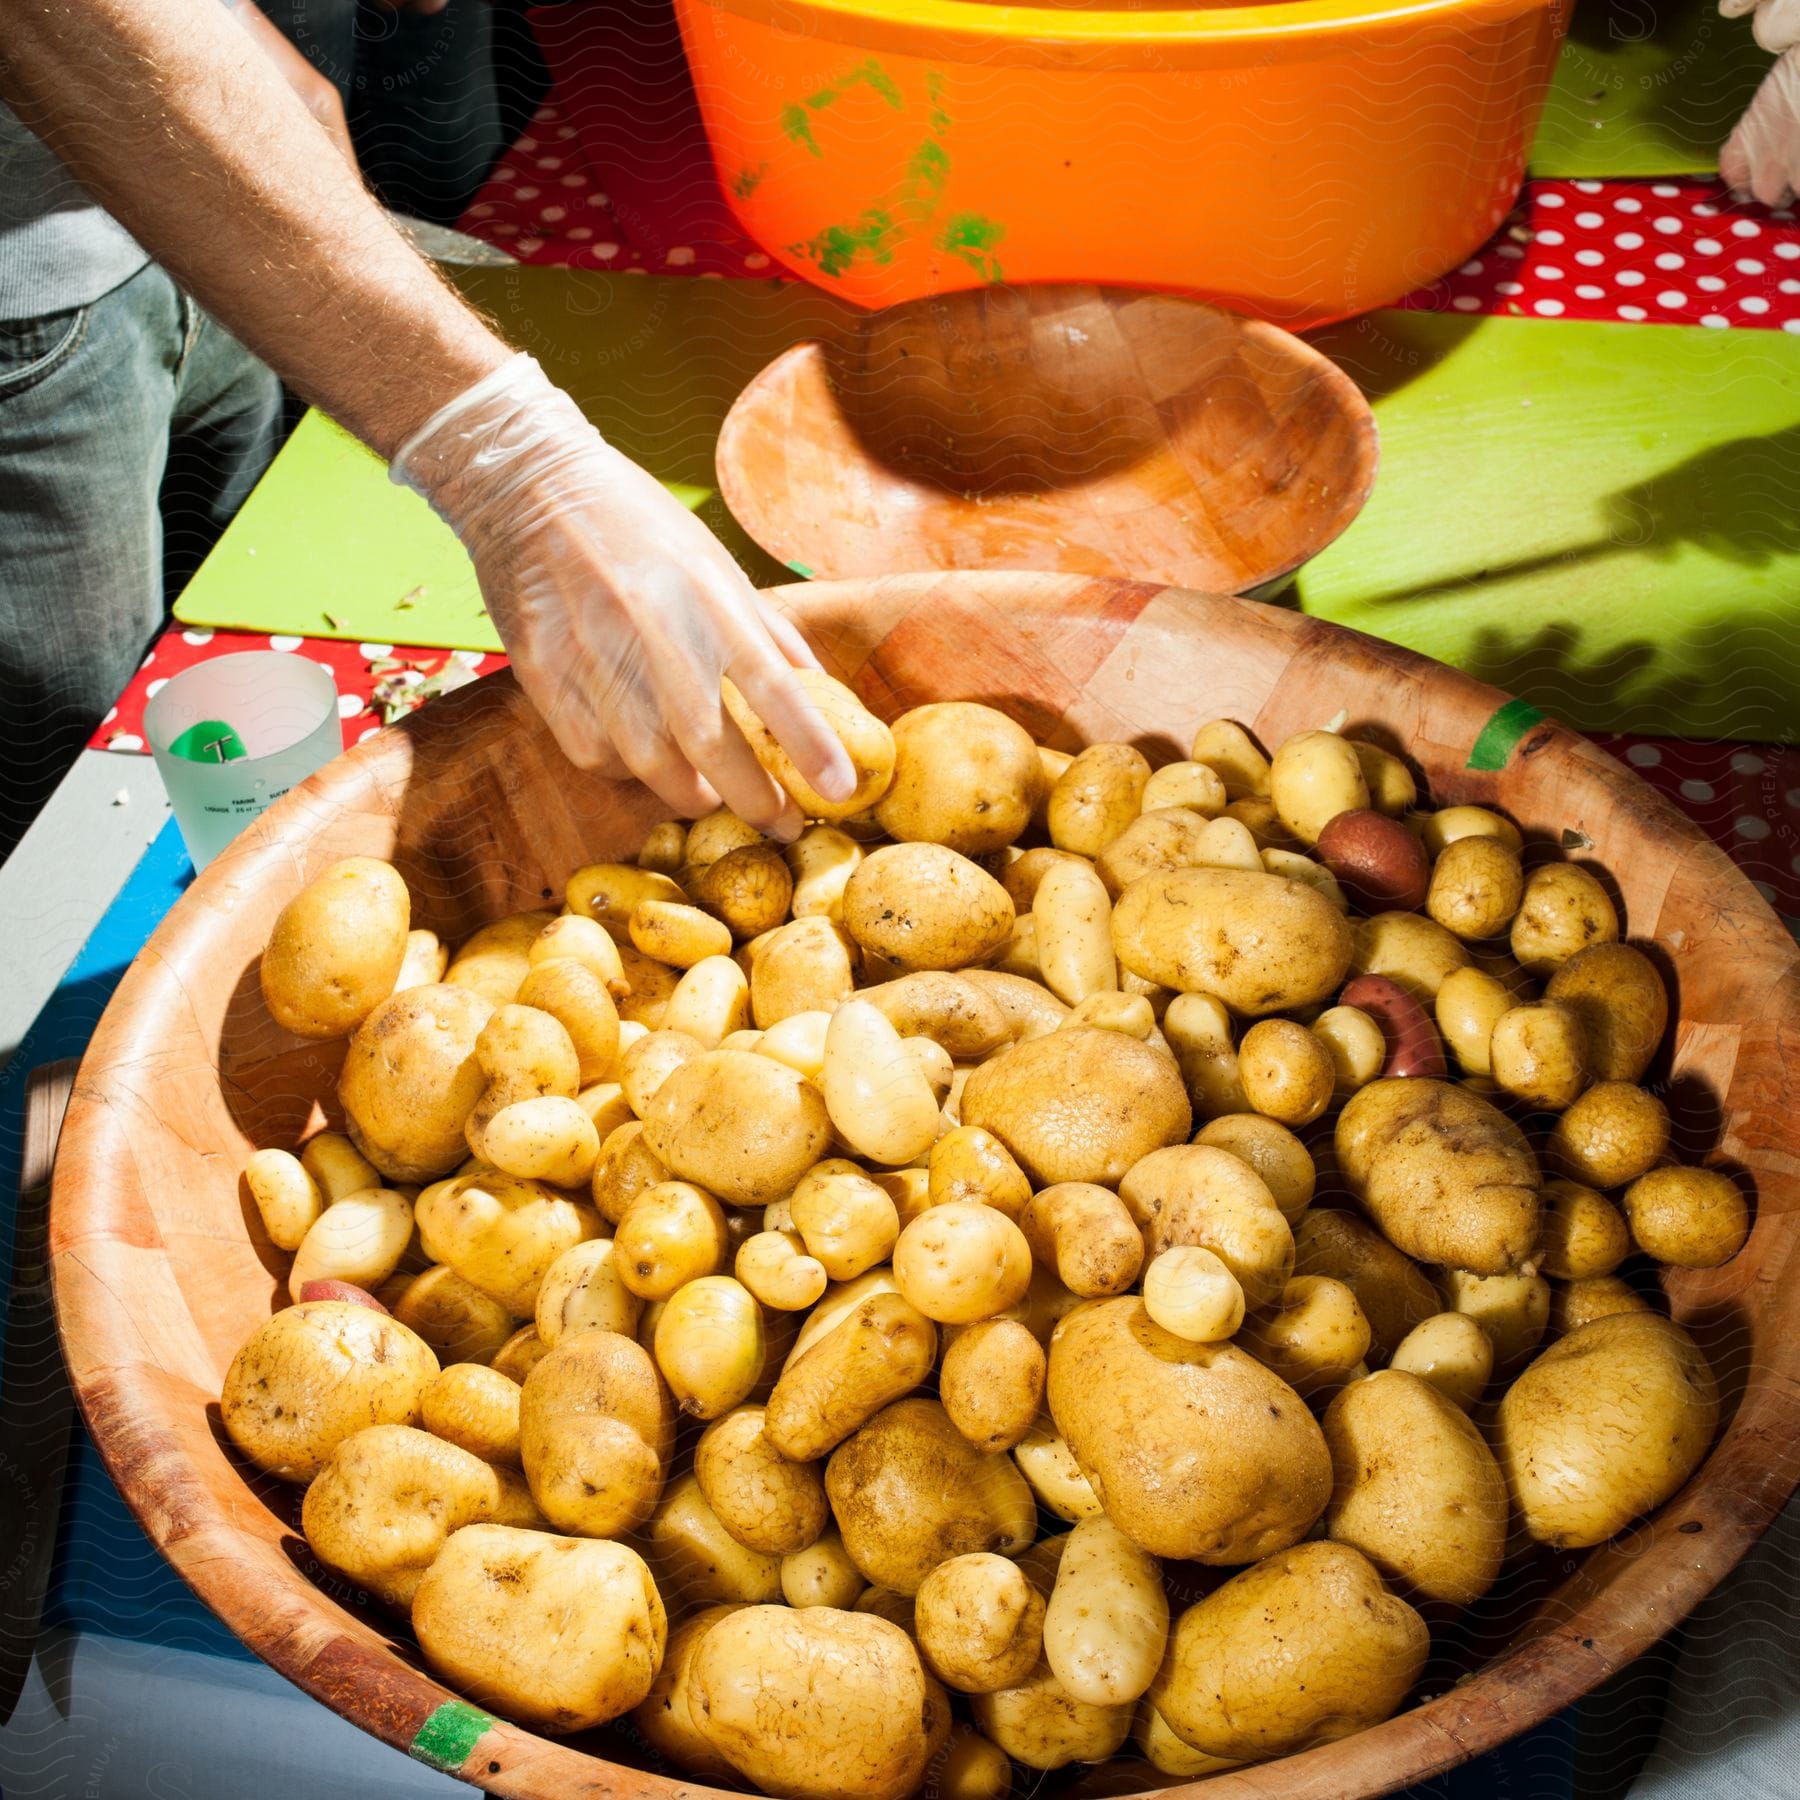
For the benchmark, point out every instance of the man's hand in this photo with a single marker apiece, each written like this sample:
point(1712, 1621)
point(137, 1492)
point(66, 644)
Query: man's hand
point(620, 610)
point(317, 95)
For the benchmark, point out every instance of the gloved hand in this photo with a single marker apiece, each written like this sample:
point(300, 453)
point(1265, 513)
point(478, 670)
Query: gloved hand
point(1776, 25)
point(620, 610)
point(1762, 156)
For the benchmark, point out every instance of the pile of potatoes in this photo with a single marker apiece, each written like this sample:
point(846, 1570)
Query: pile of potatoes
point(1063, 1252)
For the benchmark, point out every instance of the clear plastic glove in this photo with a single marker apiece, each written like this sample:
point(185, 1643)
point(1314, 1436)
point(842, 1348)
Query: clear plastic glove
point(1762, 156)
point(620, 610)
point(1776, 25)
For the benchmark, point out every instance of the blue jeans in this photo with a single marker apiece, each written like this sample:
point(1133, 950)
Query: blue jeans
point(130, 431)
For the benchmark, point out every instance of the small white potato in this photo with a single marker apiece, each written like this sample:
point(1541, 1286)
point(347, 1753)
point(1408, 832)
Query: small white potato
point(476, 1409)
point(1314, 776)
point(1197, 1028)
point(575, 938)
point(1355, 1044)
point(1188, 784)
point(286, 1196)
point(1512, 1309)
point(765, 1501)
point(960, 1263)
point(583, 1291)
point(1226, 844)
point(1052, 1473)
point(1470, 1003)
point(678, 934)
point(673, 1233)
point(1132, 1014)
point(1189, 1291)
point(1107, 1622)
point(969, 1768)
point(710, 1002)
point(359, 1239)
point(1440, 829)
point(459, 1322)
point(1452, 1352)
point(1074, 932)
point(1096, 797)
point(875, 1093)
point(1392, 789)
point(1087, 1235)
point(336, 1166)
point(822, 1574)
point(546, 1139)
point(1302, 868)
point(651, 1060)
point(1232, 754)
point(775, 1267)
point(425, 961)
point(847, 1223)
point(1314, 1338)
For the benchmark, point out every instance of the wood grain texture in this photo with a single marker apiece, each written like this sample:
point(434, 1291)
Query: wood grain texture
point(1076, 429)
point(161, 1270)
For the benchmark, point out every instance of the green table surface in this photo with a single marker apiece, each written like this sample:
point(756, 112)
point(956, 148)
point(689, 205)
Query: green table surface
point(1603, 518)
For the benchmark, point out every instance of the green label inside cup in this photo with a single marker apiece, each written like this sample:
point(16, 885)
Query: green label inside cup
point(210, 741)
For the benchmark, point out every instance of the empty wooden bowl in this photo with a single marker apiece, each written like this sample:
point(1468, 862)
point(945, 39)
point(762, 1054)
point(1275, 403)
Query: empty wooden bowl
point(1078, 429)
point(161, 1269)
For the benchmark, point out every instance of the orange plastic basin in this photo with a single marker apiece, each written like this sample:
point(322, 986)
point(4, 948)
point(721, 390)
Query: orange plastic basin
point(1300, 161)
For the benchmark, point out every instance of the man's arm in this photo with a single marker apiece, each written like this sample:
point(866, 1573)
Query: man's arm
point(169, 113)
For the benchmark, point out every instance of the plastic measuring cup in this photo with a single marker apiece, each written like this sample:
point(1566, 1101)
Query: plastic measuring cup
point(234, 734)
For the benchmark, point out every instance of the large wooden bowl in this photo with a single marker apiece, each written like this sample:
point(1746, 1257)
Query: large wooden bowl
point(161, 1270)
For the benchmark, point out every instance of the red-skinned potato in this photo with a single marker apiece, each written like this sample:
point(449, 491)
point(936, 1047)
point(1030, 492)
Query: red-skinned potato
point(1378, 862)
point(339, 1290)
point(1414, 1047)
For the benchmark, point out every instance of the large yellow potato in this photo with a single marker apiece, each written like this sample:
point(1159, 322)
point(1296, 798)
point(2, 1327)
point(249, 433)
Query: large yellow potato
point(315, 1374)
point(1448, 1177)
point(909, 1491)
point(1605, 1425)
point(335, 951)
point(559, 1632)
point(965, 776)
point(1195, 1450)
point(1415, 1487)
point(742, 1126)
point(410, 1080)
point(596, 1432)
point(1080, 1105)
point(816, 1703)
point(924, 907)
point(1305, 1648)
point(1259, 942)
point(501, 1233)
point(866, 741)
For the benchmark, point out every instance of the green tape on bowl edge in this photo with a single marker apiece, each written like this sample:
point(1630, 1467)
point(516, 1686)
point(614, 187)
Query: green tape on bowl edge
point(1500, 736)
point(801, 569)
point(446, 1738)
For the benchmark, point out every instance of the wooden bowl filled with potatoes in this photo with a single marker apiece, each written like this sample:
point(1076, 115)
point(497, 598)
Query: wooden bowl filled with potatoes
point(1233, 1204)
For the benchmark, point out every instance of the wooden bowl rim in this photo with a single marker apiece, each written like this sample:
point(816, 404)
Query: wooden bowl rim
point(771, 530)
point(393, 1700)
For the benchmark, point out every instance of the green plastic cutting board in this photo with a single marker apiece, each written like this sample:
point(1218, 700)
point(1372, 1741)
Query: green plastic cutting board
point(327, 546)
point(1602, 518)
point(1646, 87)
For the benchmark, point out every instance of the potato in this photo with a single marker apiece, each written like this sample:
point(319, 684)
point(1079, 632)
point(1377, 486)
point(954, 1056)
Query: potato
point(520, 1354)
point(866, 740)
point(1040, 1724)
point(609, 893)
point(572, 937)
point(710, 1345)
point(652, 986)
point(1197, 1029)
point(816, 1703)
point(497, 958)
point(775, 1267)
point(883, 1348)
point(1415, 1487)
point(336, 1167)
point(546, 1139)
point(992, 1382)
point(1053, 1475)
point(1196, 1194)
point(709, 1002)
point(1477, 884)
point(1190, 1292)
point(803, 966)
point(767, 1503)
point(1295, 867)
point(821, 860)
point(1019, 954)
point(1583, 1233)
point(312, 1375)
point(361, 1240)
point(425, 960)
point(674, 932)
point(1258, 942)
point(1303, 1649)
point(596, 1433)
point(1191, 786)
point(1577, 1303)
point(1411, 1040)
point(877, 1096)
point(924, 907)
point(1074, 934)
point(969, 1767)
point(671, 1234)
point(1196, 1450)
point(663, 1715)
point(840, 1300)
point(1470, 1003)
point(979, 1623)
point(381, 1508)
point(1604, 1426)
point(1096, 797)
point(1376, 861)
point(965, 776)
point(1079, 1105)
point(578, 999)
point(948, 1008)
point(1029, 1008)
point(1166, 1753)
point(909, 1492)
point(336, 949)
point(1539, 1054)
point(287, 1198)
point(1438, 830)
point(1153, 843)
point(651, 1060)
point(459, 1322)
point(1228, 843)
point(410, 1080)
point(1258, 816)
point(799, 1041)
point(822, 1574)
point(749, 888)
point(1511, 1309)
point(525, 1054)
point(1622, 1004)
point(696, 1562)
point(553, 1631)
point(1611, 1135)
point(1452, 1352)
point(717, 834)
point(1447, 1177)
point(1418, 954)
point(1564, 910)
point(846, 1221)
point(501, 1233)
point(1689, 1218)
point(1314, 776)
point(1087, 1234)
point(1392, 789)
point(1129, 1013)
point(476, 1409)
point(1288, 1074)
point(1313, 1337)
point(962, 1262)
point(1107, 1622)
point(626, 1167)
point(585, 1290)
point(741, 1126)
point(1226, 748)
point(1356, 1045)
point(1393, 1292)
